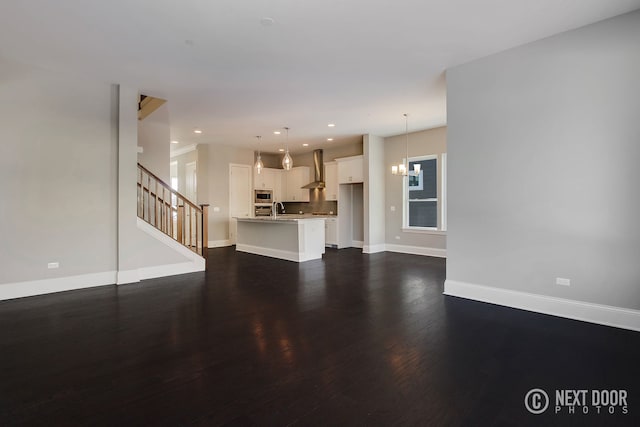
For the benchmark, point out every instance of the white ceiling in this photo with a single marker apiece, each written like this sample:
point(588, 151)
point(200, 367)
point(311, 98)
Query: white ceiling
point(359, 64)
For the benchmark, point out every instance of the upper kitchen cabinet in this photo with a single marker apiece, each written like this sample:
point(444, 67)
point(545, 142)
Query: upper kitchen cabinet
point(350, 169)
point(269, 179)
point(266, 180)
point(293, 182)
point(331, 181)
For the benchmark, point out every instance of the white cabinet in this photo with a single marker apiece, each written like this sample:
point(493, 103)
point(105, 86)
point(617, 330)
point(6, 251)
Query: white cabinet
point(258, 180)
point(295, 179)
point(278, 192)
point(269, 179)
point(350, 169)
point(265, 180)
point(331, 181)
point(331, 232)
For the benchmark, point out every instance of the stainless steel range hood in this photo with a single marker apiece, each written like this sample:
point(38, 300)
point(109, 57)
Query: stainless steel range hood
point(318, 171)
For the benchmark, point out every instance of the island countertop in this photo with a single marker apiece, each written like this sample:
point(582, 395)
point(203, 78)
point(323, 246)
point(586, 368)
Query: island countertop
point(286, 218)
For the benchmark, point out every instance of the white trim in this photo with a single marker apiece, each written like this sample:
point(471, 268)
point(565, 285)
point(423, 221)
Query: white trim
point(218, 243)
point(372, 249)
point(274, 253)
point(169, 270)
point(184, 150)
point(588, 312)
point(421, 158)
point(417, 250)
point(443, 192)
point(127, 276)
point(357, 244)
point(424, 231)
point(405, 190)
point(58, 284)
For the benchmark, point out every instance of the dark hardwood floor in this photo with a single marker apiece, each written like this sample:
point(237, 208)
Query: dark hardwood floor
point(350, 340)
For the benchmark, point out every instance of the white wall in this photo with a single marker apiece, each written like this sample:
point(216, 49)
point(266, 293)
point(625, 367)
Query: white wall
point(68, 167)
point(58, 162)
point(544, 147)
point(154, 138)
point(217, 169)
point(422, 143)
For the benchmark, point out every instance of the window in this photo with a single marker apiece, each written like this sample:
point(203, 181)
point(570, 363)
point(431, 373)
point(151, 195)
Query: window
point(424, 207)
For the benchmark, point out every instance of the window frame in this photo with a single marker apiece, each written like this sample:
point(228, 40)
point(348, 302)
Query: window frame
point(440, 200)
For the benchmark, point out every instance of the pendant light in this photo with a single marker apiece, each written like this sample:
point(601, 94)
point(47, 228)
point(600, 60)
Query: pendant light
point(259, 165)
point(287, 161)
point(403, 168)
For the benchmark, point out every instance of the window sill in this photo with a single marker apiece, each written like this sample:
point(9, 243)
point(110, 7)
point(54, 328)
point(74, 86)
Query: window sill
point(424, 231)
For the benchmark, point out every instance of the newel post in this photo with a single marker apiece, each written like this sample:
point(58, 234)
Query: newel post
point(205, 228)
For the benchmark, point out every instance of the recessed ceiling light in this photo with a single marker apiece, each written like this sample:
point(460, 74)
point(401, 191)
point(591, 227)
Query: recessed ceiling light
point(331, 125)
point(198, 131)
point(305, 145)
point(175, 142)
point(329, 139)
point(281, 149)
point(276, 132)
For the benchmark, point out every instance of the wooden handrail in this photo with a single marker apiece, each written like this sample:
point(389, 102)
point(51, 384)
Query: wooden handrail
point(171, 212)
point(168, 187)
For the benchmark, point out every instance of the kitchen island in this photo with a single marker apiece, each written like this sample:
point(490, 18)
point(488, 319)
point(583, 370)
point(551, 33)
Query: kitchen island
point(289, 237)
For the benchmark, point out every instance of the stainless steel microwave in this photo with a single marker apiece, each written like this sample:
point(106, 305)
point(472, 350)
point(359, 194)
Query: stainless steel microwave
point(263, 196)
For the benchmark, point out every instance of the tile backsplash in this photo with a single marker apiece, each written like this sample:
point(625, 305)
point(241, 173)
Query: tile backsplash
point(310, 207)
point(316, 204)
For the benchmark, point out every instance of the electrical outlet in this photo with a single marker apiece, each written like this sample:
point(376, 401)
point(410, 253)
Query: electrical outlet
point(563, 282)
point(53, 265)
point(397, 237)
point(216, 209)
point(393, 208)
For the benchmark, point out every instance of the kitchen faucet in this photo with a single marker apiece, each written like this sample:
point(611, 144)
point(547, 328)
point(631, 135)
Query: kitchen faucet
point(274, 209)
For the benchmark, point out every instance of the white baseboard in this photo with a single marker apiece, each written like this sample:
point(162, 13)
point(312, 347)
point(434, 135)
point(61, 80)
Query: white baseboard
point(357, 244)
point(169, 270)
point(416, 250)
point(127, 276)
point(372, 249)
point(218, 243)
point(59, 284)
point(588, 312)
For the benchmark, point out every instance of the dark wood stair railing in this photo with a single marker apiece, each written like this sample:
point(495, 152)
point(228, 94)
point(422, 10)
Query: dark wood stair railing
point(172, 213)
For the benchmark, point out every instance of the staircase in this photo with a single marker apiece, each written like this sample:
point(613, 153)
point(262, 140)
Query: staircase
point(170, 212)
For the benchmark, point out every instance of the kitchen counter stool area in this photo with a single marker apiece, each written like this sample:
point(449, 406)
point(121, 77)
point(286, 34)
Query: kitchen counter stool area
point(294, 239)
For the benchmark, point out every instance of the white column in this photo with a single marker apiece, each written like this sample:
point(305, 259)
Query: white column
point(127, 193)
point(374, 194)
